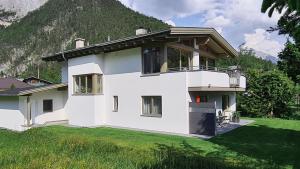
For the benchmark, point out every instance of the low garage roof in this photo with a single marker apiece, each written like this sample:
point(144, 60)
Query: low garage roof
point(31, 90)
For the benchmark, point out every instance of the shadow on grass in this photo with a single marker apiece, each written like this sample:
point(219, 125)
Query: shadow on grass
point(275, 145)
point(185, 157)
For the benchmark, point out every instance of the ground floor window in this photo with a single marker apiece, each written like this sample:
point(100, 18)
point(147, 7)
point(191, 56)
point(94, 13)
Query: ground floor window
point(152, 106)
point(47, 106)
point(88, 84)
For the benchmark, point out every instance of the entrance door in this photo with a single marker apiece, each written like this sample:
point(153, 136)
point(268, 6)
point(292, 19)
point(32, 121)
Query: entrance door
point(225, 102)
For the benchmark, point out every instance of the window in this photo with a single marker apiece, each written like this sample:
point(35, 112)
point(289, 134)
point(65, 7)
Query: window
point(151, 60)
point(47, 106)
point(152, 106)
point(178, 59)
point(115, 103)
point(88, 84)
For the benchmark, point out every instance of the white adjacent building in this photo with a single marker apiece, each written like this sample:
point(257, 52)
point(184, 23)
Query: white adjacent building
point(156, 81)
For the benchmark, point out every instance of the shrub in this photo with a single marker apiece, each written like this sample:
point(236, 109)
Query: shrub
point(268, 94)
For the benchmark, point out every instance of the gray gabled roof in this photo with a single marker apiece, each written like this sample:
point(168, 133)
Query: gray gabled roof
point(140, 40)
point(6, 83)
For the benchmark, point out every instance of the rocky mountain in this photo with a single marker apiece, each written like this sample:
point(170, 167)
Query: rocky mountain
point(267, 57)
point(259, 54)
point(55, 24)
point(13, 10)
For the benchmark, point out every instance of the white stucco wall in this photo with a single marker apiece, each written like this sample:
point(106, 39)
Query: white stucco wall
point(85, 110)
point(208, 78)
point(123, 79)
point(10, 115)
point(59, 100)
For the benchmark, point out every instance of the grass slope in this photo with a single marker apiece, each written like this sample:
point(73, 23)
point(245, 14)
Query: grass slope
point(265, 144)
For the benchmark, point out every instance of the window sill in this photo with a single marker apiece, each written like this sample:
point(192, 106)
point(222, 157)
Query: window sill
point(87, 94)
point(151, 74)
point(149, 115)
point(44, 112)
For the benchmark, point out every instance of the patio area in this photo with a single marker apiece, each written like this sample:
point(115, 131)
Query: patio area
point(224, 128)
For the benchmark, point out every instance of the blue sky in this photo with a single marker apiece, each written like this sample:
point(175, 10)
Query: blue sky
point(239, 21)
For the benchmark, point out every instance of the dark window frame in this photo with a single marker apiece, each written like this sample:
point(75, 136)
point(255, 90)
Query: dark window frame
point(115, 103)
point(159, 57)
point(152, 105)
point(48, 109)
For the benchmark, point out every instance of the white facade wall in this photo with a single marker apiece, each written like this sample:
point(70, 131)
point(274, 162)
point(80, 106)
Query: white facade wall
point(208, 78)
point(123, 78)
point(10, 115)
point(85, 110)
point(59, 100)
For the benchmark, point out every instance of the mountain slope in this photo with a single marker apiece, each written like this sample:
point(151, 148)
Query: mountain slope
point(57, 23)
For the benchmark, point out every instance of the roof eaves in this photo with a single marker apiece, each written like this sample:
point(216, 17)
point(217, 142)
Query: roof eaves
point(105, 44)
point(206, 31)
point(41, 89)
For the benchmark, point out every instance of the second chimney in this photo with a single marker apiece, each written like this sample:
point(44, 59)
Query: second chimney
point(141, 31)
point(79, 42)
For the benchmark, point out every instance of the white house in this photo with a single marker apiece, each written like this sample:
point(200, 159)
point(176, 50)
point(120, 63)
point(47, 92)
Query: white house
point(159, 81)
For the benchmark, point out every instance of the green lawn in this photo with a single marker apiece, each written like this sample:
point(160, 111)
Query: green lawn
point(264, 144)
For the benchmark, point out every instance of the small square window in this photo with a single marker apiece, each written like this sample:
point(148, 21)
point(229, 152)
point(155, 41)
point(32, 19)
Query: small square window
point(47, 106)
point(152, 106)
point(115, 103)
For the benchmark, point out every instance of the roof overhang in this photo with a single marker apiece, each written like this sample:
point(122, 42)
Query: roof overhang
point(41, 89)
point(169, 35)
point(210, 32)
point(32, 90)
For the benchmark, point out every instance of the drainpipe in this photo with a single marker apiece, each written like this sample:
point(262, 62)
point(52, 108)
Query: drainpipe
point(28, 114)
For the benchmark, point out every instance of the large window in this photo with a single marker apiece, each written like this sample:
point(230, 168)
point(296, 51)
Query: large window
point(88, 84)
point(152, 106)
point(47, 106)
point(178, 59)
point(151, 60)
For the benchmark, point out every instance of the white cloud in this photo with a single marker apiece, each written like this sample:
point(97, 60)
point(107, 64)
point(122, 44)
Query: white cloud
point(261, 41)
point(170, 22)
point(232, 18)
point(166, 9)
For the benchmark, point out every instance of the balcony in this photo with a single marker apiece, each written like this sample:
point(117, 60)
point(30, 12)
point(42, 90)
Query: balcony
point(213, 78)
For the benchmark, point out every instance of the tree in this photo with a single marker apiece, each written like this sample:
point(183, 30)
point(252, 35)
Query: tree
point(290, 61)
point(289, 22)
point(268, 94)
point(280, 5)
point(246, 61)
